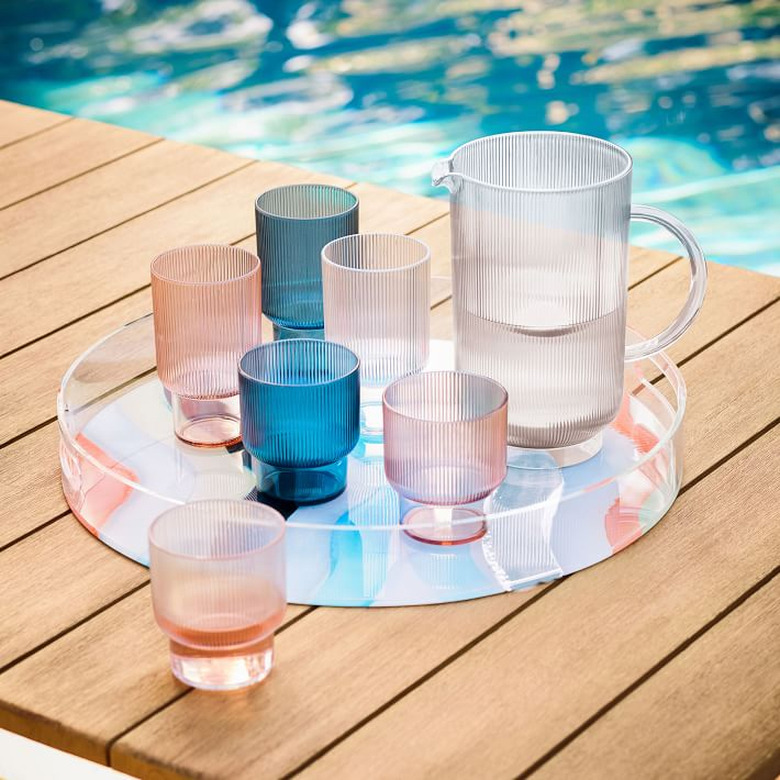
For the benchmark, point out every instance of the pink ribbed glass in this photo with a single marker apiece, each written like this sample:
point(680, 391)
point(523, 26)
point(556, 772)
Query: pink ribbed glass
point(218, 589)
point(207, 314)
point(376, 294)
point(445, 445)
point(540, 250)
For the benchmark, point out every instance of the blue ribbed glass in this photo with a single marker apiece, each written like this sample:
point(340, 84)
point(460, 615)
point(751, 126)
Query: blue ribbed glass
point(294, 223)
point(300, 413)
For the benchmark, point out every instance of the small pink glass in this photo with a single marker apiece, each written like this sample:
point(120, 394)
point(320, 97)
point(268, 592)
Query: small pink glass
point(207, 314)
point(445, 448)
point(218, 589)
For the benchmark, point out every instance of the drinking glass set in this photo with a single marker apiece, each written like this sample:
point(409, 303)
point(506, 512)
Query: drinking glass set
point(540, 245)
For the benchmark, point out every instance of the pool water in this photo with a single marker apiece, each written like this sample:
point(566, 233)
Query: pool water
point(378, 89)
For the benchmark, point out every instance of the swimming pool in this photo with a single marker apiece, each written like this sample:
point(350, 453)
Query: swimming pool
point(378, 89)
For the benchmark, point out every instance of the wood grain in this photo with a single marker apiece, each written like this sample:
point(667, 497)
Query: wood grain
point(30, 378)
point(329, 674)
point(101, 692)
point(55, 578)
point(76, 210)
point(64, 151)
point(18, 121)
point(179, 721)
point(389, 211)
point(732, 295)
point(25, 403)
point(482, 687)
point(116, 263)
point(721, 415)
point(710, 712)
point(30, 483)
point(529, 684)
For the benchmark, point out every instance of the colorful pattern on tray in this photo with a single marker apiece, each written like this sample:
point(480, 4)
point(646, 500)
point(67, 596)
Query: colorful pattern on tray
point(122, 466)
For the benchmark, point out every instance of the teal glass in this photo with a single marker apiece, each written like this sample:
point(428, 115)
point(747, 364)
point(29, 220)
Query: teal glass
point(294, 223)
point(300, 417)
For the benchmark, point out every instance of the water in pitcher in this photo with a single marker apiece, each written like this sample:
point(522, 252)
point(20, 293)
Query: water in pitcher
point(564, 382)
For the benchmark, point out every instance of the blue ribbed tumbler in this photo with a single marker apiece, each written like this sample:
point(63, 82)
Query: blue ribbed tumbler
point(300, 417)
point(294, 223)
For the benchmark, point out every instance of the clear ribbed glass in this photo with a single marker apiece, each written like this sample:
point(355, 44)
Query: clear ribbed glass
point(219, 589)
point(376, 295)
point(300, 405)
point(540, 250)
point(445, 445)
point(206, 301)
point(294, 223)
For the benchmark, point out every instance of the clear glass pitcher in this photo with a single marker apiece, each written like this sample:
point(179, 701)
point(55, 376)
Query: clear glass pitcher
point(540, 280)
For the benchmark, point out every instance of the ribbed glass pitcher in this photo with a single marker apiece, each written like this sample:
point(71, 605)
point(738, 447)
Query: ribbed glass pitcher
point(540, 267)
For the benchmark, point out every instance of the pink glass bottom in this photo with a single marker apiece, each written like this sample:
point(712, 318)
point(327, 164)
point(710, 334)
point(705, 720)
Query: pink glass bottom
point(444, 525)
point(224, 671)
point(212, 422)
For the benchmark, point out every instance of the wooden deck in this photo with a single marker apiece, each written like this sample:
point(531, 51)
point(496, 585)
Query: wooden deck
point(662, 661)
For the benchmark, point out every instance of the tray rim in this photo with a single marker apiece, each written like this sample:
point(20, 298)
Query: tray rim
point(663, 363)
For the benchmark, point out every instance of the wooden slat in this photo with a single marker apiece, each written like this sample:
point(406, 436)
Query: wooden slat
point(732, 294)
point(55, 578)
point(85, 720)
point(30, 378)
point(529, 684)
point(81, 719)
point(116, 263)
point(40, 470)
point(388, 211)
point(78, 209)
point(249, 750)
point(711, 712)
point(18, 121)
point(720, 415)
point(65, 151)
point(30, 483)
point(643, 263)
point(36, 475)
point(84, 717)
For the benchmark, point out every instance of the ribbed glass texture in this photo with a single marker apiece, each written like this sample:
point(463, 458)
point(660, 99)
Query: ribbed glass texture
point(445, 436)
point(540, 247)
point(219, 589)
point(294, 223)
point(376, 294)
point(206, 301)
point(300, 407)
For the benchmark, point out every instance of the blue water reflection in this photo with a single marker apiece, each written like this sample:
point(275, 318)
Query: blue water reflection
point(377, 89)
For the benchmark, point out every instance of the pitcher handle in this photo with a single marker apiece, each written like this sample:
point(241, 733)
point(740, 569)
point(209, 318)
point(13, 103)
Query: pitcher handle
point(696, 290)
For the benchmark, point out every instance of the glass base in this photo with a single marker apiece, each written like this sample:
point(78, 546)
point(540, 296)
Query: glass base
point(444, 525)
point(282, 332)
point(555, 457)
point(214, 422)
point(214, 670)
point(302, 486)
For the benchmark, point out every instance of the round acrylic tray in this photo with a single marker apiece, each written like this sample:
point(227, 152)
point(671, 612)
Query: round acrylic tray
point(122, 466)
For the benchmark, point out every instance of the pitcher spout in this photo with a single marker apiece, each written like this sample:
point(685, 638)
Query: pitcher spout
point(442, 175)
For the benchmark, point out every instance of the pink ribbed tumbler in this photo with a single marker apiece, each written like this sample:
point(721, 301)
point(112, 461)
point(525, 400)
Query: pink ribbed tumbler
point(376, 296)
point(445, 448)
point(218, 589)
point(206, 301)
